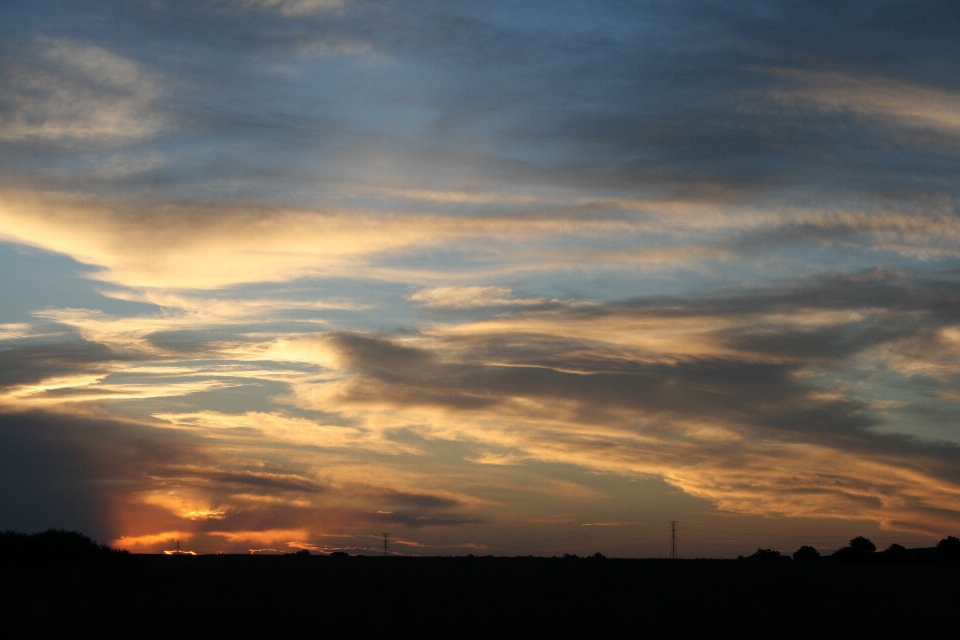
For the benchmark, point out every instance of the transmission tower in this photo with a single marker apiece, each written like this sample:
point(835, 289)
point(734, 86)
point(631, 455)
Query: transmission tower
point(673, 539)
point(386, 544)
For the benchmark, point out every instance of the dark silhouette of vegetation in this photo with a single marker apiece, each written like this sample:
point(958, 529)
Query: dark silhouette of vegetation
point(895, 554)
point(862, 545)
point(468, 597)
point(54, 546)
point(767, 555)
point(806, 553)
point(573, 556)
point(949, 549)
point(860, 550)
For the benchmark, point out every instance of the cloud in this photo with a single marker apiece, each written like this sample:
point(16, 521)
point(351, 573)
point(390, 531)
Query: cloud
point(141, 486)
point(722, 396)
point(66, 471)
point(147, 251)
point(14, 330)
point(422, 500)
point(932, 352)
point(31, 363)
point(150, 540)
point(271, 429)
point(904, 103)
point(76, 375)
point(469, 297)
point(716, 396)
point(270, 481)
point(207, 246)
point(295, 7)
point(71, 92)
point(708, 245)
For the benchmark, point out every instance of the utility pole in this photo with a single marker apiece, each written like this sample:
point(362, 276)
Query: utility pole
point(178, 547)
point(673, 539)
point(386, 545)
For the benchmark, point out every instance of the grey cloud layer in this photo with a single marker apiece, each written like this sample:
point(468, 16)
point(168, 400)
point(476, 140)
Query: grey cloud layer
point(668, 97)
point(756, 382)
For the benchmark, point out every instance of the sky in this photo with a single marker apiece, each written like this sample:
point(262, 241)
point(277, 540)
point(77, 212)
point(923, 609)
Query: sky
point(498, 278)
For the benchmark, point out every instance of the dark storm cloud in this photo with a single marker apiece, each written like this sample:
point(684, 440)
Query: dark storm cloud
point(64, 471)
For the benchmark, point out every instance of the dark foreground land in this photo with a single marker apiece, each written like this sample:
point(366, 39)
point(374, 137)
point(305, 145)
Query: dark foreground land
point(328, 596)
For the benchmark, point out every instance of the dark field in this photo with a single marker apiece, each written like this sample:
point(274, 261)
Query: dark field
point(324, 596)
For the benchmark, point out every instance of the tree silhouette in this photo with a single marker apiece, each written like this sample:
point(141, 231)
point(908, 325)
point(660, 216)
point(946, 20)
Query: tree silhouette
point(949, 548)
point(862, 545)
point(806, 553)
point(767, 554)
point(860, 550)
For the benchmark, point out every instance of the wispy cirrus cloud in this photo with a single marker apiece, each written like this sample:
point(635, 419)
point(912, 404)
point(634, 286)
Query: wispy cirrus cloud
point(469, 297)
point(294, 7)
point(69, 92)
point(890, 99)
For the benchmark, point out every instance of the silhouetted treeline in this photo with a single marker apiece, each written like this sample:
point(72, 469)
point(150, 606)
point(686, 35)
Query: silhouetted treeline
point(55, 547)
point(861, 550)
point(470, 597)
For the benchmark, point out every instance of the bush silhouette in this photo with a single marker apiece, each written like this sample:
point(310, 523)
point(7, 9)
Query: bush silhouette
point(895, 553)
point(806, 553)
